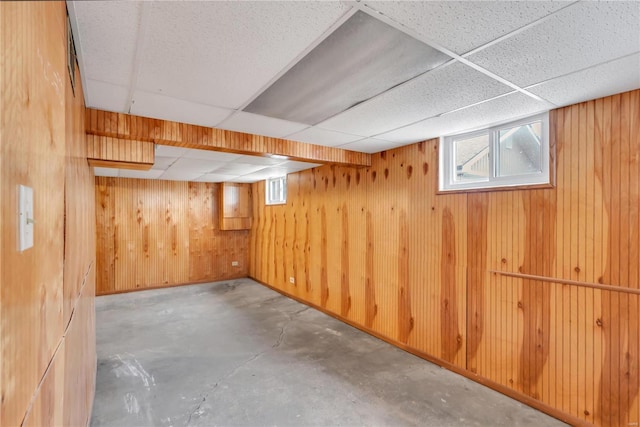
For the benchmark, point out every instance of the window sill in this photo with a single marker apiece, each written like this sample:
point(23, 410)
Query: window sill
point(493, 189)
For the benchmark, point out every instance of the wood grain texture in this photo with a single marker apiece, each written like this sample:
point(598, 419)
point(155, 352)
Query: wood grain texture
point(104, 151)
point(235, 206)
point(127, 127)
point(490, 283)
point(154, 233)
point(47, 343)
point(384, 258)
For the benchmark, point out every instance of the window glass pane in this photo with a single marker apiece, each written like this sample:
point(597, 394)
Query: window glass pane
point(519, 150)
point(276, 190)
point(472, 158)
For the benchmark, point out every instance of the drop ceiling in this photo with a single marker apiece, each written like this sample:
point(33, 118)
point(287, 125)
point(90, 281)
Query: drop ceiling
point(184, 164)
point(213, 63)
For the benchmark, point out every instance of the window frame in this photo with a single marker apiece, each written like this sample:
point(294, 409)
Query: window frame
point(281, 198)
point(447, 164)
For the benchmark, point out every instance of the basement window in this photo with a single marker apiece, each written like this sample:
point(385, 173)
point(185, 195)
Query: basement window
point(276, 190)
point(513, 154)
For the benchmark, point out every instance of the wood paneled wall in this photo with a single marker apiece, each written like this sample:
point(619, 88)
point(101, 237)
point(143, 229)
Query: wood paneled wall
point(235, 206)
point(533, 292)
point(154, 233)
point(108, 152)
point(47, 329)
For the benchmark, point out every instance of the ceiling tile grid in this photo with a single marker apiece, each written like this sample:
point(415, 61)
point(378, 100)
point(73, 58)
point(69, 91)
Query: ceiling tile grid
point(203, 62)
point(107, 96)
point(261, 125)
point(577, 37)
point(612, 77)
point(236, 168)
point(170, 151)
point(444, 89)
point(370, 145)
point(222, 53)
point(462, 26)
point(108, 39)
point(180, 175)
point(319, 136)
point(215, 177)
point(362, 58)
point(163, 107)
point(505, 108)
point(201, 166)
point(149, 174)
point(163, 162)
point(217, 156)
point(262, 160)
point(184, 164)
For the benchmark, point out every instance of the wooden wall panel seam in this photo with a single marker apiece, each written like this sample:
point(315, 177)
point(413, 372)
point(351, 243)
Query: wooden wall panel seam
point(47, 376)
point(58, 346)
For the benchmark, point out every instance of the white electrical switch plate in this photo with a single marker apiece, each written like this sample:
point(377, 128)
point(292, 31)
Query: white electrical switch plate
point(25, 218)
point(234, 263)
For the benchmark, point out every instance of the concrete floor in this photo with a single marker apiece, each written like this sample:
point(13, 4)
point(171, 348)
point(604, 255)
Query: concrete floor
point(237, 353)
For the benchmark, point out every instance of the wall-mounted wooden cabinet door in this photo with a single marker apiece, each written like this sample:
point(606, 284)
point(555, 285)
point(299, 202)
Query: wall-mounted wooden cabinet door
point(235, 206)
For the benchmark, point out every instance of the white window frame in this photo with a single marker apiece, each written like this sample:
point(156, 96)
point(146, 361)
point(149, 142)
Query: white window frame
point(447, 163)
point(275, 190)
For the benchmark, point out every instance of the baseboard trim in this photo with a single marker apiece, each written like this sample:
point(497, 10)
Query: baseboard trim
point(527, 400)
point(173, 285)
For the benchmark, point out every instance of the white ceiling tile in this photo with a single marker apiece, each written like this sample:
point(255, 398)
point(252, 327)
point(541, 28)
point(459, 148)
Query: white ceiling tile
point(319, 136)
point(271, 172)
point(105, 172)
point(613, 77)
point(150, 174)
point(108, 34)
point(225, 52)
point(580, 36)
point(370, 145)
point(444, 89)
point(106, 96)
point(260, 125)
point(509, 107)
point(214, 177)
point(180, 175)
point(261, 160)
point(464, 25)
point(248, 179)
point(170, 151)
point(235, 168)
point(217, 156)
point(158, 106)
point(162, 163)
point(201, 166)
point(295, 166)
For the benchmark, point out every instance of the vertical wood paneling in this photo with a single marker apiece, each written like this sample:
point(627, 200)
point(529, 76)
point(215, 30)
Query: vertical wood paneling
point(424, 269)
point(47, 333)
point(79, 279)
point(115, 139)
point(154, 233)
point(106, 151)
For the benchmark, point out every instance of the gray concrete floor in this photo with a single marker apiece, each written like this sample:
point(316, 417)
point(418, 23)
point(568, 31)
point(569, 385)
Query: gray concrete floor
point(237, 353)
